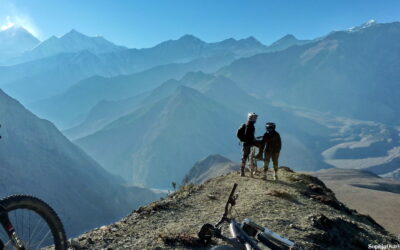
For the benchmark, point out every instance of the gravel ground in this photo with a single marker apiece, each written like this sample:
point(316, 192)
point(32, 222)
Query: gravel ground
point(298, 207)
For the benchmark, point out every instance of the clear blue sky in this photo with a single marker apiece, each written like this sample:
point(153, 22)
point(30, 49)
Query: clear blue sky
point(145, 23)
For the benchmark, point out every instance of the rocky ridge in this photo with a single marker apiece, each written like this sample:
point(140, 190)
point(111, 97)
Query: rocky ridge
point(298, 206)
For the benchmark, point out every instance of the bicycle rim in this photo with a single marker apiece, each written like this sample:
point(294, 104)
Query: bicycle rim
point(35, 223)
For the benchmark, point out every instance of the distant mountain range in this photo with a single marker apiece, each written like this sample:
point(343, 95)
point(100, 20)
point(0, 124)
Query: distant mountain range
point(352, 73)
point(334, 99)
point(79, 99)
point(74, 56)
point(113, 133)
point(136, 145)
point(71, 42)
point(57, 63)
point(35, 158)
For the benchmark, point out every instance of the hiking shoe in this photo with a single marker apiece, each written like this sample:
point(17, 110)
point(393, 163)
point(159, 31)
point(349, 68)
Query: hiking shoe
point(264, 177)
point(242, 172)
point(275, 176)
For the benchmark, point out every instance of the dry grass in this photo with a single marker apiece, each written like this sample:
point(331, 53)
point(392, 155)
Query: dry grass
point(279, 205)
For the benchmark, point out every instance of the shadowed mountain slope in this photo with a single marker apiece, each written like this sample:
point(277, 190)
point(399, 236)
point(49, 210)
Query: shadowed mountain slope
point(139, 147)
point(35, 158)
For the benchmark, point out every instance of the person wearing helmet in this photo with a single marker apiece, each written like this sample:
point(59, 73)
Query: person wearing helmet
point(273, 145)
point(246, 135)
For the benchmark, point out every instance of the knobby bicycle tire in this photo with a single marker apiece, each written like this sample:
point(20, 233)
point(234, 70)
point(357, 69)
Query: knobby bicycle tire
point(50, 217)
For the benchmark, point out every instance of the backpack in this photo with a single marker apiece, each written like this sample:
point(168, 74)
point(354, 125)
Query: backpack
point(241, 133)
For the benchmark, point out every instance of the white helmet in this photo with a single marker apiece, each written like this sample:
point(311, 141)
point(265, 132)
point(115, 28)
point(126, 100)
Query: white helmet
point(252, 117)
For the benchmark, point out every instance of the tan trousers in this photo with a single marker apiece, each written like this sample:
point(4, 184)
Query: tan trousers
point(268, 156)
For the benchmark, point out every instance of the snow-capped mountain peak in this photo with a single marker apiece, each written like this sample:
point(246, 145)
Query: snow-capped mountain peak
point(365, 25)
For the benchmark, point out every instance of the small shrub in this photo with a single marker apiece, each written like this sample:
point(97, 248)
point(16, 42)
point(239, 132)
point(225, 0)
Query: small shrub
point(294, 178)
point(279, 193)
point(287, 169)
point(182, 239)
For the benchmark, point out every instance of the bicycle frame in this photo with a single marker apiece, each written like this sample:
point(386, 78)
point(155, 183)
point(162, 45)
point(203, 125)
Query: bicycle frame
point(239, 234)
point(243, 232)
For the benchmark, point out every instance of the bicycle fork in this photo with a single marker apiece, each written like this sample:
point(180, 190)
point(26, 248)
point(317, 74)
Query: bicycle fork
point(8, 227)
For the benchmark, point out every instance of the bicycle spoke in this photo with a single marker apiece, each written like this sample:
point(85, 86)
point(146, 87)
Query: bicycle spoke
point(29, 230)
point(38, 235)
point(43, 239)
point(22, 223)
point(34, 230)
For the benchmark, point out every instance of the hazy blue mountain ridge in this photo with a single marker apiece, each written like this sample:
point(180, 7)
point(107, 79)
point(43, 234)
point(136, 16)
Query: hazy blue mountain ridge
point(312, 140)
point(49, 76)
point(35, 158)
point(351, 73)
point(150, 129)
point(107, 60)
point(77, 101)
point(71, 42)
point(286, 42)
point(13, 42)
point(142, 153)
point(339, 73)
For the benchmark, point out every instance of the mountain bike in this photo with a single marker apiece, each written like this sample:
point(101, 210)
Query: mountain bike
point(246, 235)
point(29, 223)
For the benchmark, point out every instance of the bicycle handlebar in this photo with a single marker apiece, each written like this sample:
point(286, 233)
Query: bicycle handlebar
point(231, 201)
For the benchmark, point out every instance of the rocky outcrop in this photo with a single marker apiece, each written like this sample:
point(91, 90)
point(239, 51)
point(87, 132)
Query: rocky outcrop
point(289, 207)
point(211, 166)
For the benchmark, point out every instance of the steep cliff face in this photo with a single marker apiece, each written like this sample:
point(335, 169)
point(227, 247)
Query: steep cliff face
point(298, 206)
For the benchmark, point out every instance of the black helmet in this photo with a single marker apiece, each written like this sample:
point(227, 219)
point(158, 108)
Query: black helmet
point(270, 126)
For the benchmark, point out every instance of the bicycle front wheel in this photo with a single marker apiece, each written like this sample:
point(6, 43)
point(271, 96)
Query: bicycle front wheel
point(35, 223)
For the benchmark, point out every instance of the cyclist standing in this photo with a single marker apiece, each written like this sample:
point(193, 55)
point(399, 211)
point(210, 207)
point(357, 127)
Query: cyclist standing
point(273, 143)
point(246, 134)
